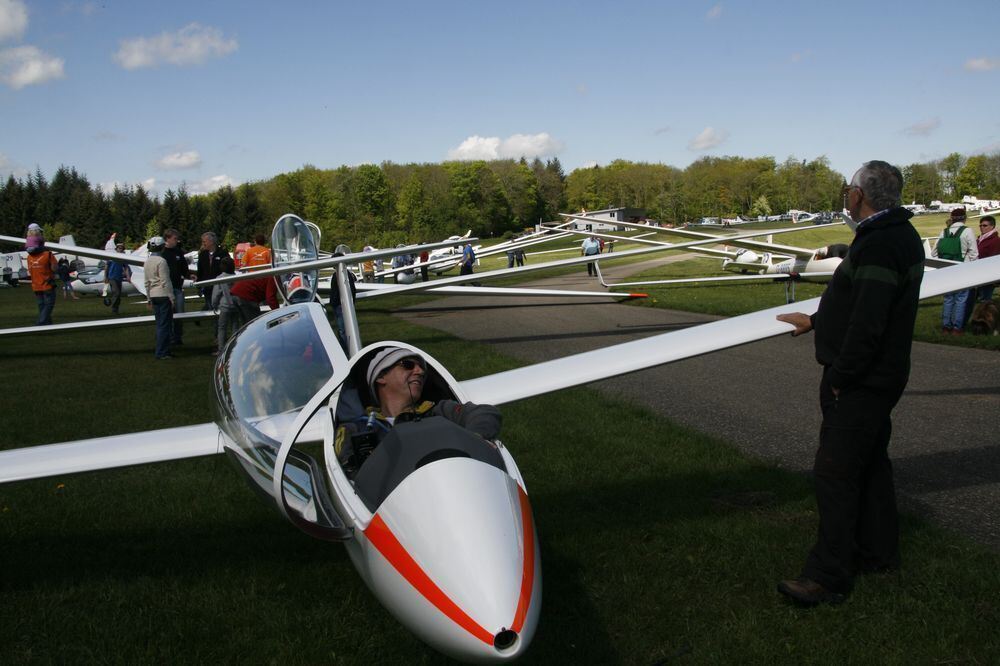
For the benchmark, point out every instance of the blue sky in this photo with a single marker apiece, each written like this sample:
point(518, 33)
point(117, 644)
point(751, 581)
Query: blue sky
point(216, 92)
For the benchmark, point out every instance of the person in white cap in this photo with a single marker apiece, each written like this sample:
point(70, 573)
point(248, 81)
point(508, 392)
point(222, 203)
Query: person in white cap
point(161, 295)
point(395, 379)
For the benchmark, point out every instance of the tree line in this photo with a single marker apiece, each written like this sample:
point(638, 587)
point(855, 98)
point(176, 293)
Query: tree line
point(387, 204)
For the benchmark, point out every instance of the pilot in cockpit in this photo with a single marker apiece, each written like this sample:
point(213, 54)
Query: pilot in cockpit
point(396, 380)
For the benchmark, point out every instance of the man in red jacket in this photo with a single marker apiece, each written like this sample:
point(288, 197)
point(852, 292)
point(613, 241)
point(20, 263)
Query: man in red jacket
point(249, 294)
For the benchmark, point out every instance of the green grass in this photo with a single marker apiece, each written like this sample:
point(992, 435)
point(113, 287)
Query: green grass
point(656, 541)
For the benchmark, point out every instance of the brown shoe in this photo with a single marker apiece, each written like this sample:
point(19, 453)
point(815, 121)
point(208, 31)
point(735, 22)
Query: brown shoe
point(807, 592)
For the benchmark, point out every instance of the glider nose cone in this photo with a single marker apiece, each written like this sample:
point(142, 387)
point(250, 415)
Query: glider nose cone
point(454, 556)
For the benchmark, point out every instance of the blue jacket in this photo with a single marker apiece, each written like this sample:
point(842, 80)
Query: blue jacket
point(116, 270)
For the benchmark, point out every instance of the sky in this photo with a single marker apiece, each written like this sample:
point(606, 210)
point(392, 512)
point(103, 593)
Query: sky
point(220, 92)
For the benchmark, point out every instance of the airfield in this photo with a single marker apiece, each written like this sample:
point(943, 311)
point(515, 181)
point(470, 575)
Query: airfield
point(668, 503)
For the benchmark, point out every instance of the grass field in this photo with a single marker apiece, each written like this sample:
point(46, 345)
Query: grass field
point(658, 544)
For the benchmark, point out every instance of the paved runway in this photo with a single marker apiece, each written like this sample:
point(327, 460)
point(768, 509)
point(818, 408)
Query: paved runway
point(763, 397)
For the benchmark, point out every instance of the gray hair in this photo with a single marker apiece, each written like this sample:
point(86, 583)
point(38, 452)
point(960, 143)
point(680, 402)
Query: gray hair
point(881, 183)
point(211, 235)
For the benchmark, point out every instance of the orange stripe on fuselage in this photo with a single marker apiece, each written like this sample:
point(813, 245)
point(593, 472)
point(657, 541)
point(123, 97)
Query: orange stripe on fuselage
point(528, 571)
point(386, 542)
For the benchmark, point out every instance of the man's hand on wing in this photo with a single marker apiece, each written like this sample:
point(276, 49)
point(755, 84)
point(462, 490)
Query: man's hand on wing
point(800, 320)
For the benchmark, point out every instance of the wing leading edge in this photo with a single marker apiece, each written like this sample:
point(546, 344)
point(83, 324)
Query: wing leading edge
point(88, 455)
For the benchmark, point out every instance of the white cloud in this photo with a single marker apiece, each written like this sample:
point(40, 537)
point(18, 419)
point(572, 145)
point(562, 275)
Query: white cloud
point(515, 146)
point(982, 64)
point(191, 45)
point(708, 139)
point(13, 19)
point(800, 56)
point(923, 128)
point(210, 184)
point(714, 13)
point(28, 65)
point(661, 130)
point(187, 160)
point(581, 89)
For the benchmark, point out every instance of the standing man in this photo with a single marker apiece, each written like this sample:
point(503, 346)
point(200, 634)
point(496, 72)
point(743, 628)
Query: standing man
point(864, 331)
point(42, 267)
point(115, 273)
point(258, 254)
point(988, 245)
point(161, 295)
point(424, 257)
point(468, 260)
point(173, 253)
point(209, 266)
point(956, 243)
point(590, 247)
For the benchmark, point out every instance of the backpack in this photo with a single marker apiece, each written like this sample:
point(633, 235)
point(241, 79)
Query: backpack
point(949, 246)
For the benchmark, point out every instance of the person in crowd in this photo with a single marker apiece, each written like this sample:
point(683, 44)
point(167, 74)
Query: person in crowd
point(115, 274)
point(956, 243)
point(161, 295)
point(864, 331)
point(179, 272)
point(258, 254)
point(987, 245)
point(590, 248)
point(42, 267)
point(424, 258)
point(249, 294)
point(209, 263)
point(336, 306)
point(64, 270)
point(222, 301)
point(368, 267)
point(468, 260)
point(395, 379)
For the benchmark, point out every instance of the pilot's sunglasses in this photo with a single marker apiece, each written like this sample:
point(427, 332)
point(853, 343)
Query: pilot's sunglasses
point(410, 363)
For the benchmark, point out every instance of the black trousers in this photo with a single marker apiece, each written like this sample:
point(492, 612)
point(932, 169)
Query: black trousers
point(855, 494)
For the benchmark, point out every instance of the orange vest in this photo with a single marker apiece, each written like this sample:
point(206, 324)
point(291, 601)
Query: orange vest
point(42, 268)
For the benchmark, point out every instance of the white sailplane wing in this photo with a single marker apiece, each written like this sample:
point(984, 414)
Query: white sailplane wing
point(109, 452)
point(503, 291)
point(677, 345)
point(60, 248)
point(764, 277)
point(120, 322)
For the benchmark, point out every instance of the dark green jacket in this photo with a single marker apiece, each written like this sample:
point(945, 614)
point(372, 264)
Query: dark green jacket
point(864, 324)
